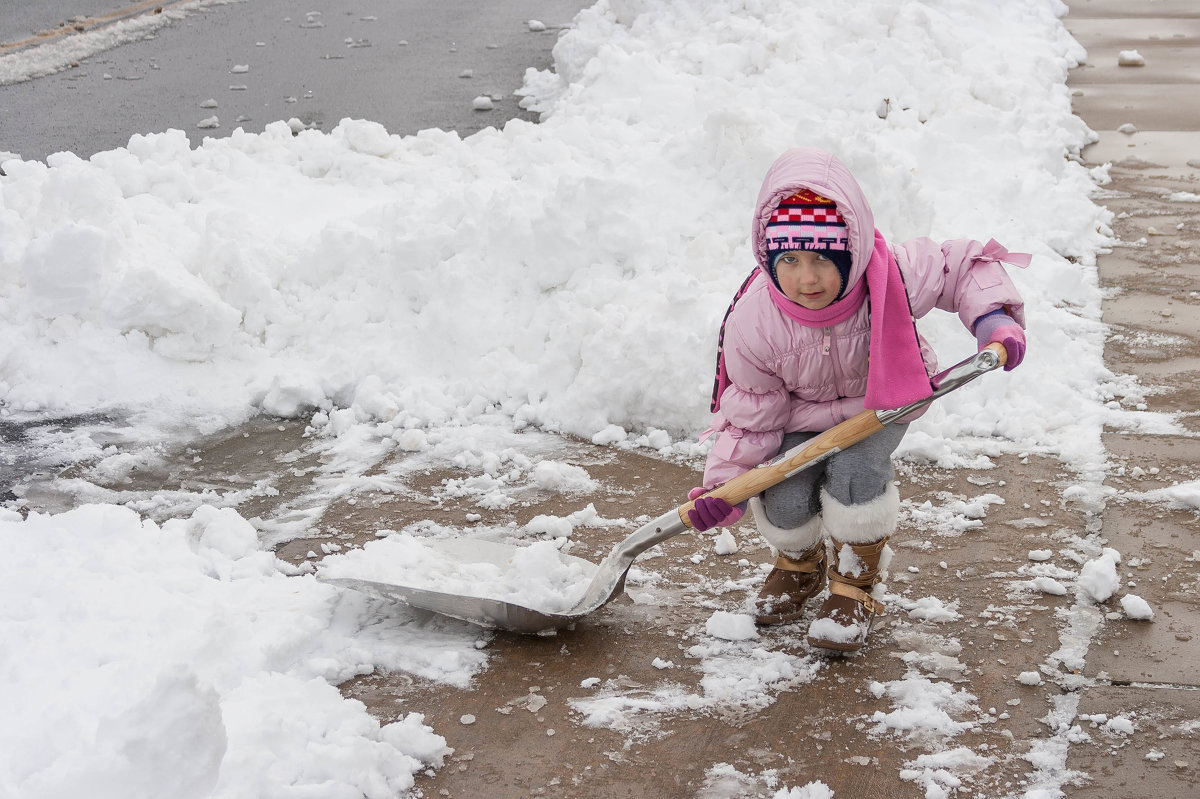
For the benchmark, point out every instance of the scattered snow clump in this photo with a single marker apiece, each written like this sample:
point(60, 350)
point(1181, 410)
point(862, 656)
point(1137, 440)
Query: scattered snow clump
point(558, 476)
point(1098, 578)
point(814, 790)
point(412, 440)
point(726, 544)
point(731, 626)
point(1136, 608)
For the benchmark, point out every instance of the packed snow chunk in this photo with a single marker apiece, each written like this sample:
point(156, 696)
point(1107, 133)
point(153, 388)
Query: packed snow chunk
point(483, 103)
point(369, 138)
point(563, 477)
point(551, 526)
point(536, 25)
point(1128, 129)
point(931, 608)
point(227, 543)
point(208, 123)
point(725, 544)
point(1048, 585)
point(1040, 555)
point(1137, 608)
point(1119, 725)
point(1130, 58)
point(537, 576)
point(612, 434)
point(814, 790)
point(830, 630)
point(731, 626)
point(290, 396)
point(411, 440)
point(1029, 678)
point(1098, 578)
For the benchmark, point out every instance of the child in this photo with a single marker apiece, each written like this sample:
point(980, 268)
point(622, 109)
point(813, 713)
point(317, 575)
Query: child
point(828, 292)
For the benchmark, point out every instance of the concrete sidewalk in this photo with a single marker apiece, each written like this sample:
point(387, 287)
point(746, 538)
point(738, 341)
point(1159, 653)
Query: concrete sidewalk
point(1148, 120)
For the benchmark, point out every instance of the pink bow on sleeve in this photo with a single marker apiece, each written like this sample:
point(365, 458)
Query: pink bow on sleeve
point(994, 251)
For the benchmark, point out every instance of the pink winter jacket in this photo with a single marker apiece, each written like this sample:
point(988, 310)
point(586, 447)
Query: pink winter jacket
point(787, 377)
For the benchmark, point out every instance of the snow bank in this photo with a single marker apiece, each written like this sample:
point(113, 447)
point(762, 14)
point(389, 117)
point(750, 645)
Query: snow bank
point(181, 660)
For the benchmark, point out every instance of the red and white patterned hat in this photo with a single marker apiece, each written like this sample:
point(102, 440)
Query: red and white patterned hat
point(806, 221)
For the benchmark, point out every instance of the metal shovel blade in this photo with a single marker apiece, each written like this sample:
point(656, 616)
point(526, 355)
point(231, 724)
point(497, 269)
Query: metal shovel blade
point(607, 582)
point(609, 579)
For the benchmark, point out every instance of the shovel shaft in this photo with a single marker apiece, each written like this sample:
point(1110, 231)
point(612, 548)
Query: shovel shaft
point(759, 479)
point(846, 434)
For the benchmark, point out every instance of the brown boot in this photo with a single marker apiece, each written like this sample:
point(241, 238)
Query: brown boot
point(789, 585)
point(845, 618)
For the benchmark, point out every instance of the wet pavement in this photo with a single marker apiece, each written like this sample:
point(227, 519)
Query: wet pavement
point(408, 66)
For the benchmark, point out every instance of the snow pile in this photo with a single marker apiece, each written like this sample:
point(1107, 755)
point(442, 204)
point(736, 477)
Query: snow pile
point(182, 660)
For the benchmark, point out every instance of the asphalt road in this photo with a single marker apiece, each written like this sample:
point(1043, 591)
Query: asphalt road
point(408, 65)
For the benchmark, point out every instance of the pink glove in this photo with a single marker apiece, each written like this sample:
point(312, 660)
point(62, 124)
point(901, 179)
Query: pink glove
point(712, 512)
point(998, 327)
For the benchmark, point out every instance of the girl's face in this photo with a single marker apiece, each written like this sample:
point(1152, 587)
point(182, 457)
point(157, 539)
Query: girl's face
point(808, 278)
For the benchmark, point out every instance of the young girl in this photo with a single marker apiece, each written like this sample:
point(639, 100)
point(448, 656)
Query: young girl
point(823, 328)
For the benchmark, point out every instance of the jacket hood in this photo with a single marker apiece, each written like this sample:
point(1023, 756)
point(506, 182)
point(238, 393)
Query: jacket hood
point(823, 173)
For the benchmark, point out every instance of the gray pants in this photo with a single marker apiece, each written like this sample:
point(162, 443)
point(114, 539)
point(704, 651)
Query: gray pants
point(853, 476)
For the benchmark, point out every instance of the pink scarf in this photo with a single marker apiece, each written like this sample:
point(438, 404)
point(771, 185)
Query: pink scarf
point(896, 373)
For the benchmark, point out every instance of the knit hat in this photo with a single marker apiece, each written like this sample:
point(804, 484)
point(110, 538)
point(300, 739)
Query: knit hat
point(808, 221)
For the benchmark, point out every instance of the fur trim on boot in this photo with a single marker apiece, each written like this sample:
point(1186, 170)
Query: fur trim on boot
point(791, 542)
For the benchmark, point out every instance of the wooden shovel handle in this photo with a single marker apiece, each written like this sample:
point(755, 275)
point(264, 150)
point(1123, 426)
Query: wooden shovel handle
point(759, 479)
point(833, 440)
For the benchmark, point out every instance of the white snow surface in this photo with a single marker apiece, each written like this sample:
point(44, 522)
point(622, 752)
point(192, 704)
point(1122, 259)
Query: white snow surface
point(397, 290)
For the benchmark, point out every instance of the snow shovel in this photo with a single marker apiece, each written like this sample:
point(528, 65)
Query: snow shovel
point(609, 579)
